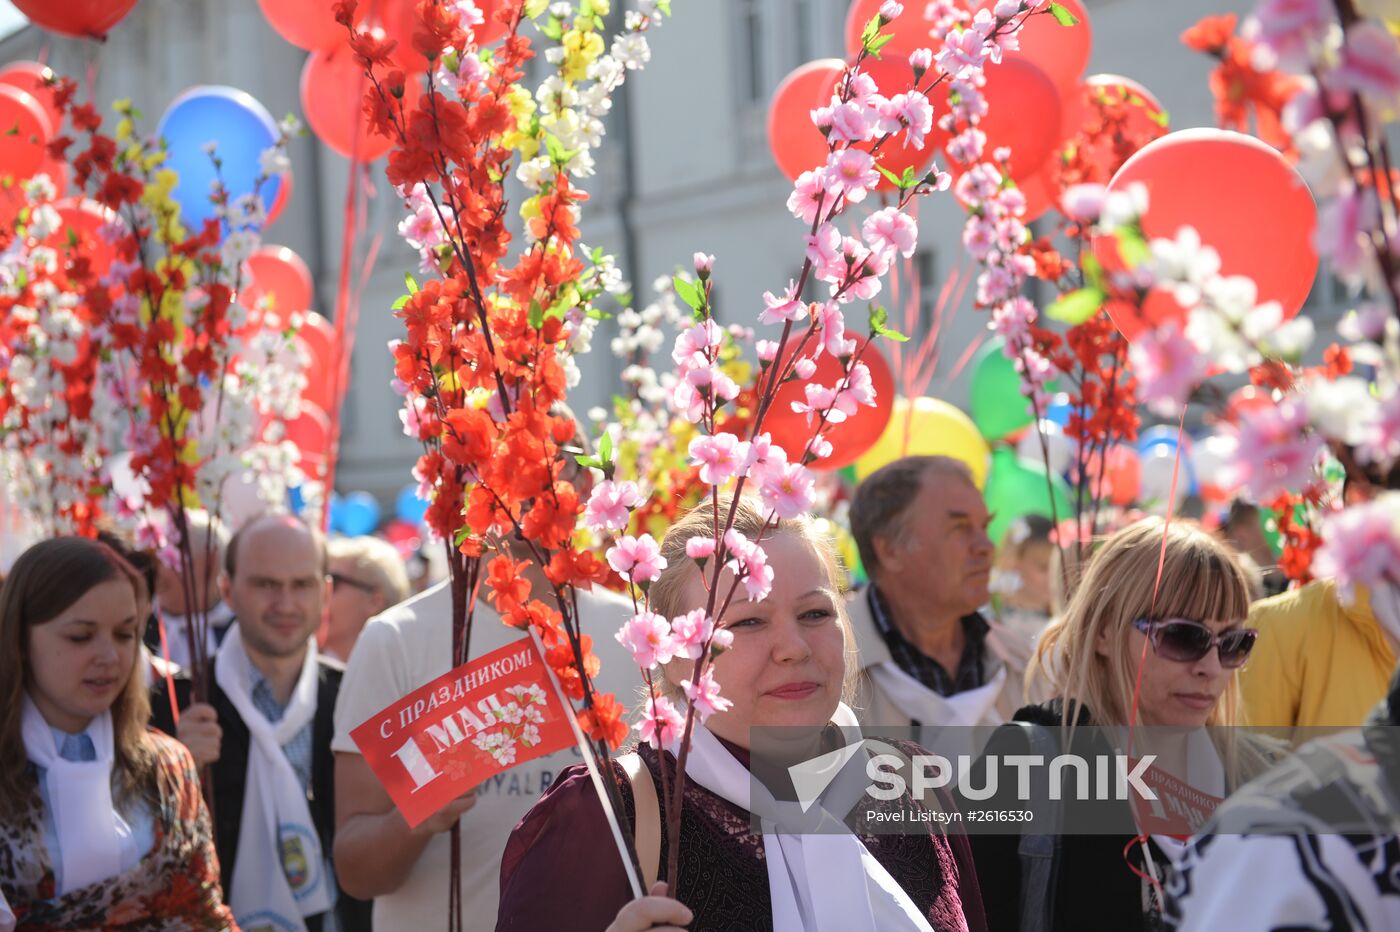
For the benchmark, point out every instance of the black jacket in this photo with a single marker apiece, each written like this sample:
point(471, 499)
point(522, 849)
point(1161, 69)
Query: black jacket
point(1094, 887)
point(230, 775)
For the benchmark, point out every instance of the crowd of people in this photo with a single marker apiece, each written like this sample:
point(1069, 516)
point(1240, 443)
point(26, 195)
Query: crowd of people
point(126, 800)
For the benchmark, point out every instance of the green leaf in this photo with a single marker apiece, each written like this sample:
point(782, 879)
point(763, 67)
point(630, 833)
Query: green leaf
point(1062, 16)
point(878, 318)
point(552, 29)
point(1161, 118)
point(592, 313)
point(589, 462)
point(890, 176)
point(1077, 306)
point(460, 535)
point(1093, 270)
point(605, 449)
point(402, 300)
point(1131, 246)
point(536, 316)
point(410, 282)
point(689, 292)
point(871, 31)
point(13, 130)
point(664, 6)
point(875, 45)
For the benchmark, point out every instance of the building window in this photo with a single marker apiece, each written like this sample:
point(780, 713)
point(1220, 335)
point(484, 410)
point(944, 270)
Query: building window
point(751, 22)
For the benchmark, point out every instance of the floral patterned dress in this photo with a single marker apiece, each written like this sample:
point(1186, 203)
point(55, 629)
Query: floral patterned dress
point(176, 885)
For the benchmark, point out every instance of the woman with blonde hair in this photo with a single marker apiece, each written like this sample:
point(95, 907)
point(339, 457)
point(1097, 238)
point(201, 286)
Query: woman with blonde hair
point(1146, 654)
point(788, 665)
point(101, 819)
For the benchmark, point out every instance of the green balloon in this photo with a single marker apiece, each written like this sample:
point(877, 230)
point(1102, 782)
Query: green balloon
point(998, 407)
point(1017, 487)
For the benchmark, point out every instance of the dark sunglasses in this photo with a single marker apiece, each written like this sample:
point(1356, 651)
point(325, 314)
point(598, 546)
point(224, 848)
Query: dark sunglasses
point(338, 580)
point(1186, 641)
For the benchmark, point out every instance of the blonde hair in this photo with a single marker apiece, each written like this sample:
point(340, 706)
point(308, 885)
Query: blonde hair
point(376, 558)
point(1200, 579)
point(666, 593)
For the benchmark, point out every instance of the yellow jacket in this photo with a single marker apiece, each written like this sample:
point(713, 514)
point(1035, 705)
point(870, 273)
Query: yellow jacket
point(1317, 662)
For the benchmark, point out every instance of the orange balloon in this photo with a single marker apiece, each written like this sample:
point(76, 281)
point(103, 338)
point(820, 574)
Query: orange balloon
point(280, 274)
point(796, 143)
point(333, 87)
point(1210, 179)
point(853, 436)
point(1062, 52)
point(911, 30)
point(26, 132)
point(31, 77)
point(893, 75)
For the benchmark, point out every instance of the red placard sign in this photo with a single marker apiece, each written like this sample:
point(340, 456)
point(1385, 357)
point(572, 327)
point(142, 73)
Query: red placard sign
point(482, 718)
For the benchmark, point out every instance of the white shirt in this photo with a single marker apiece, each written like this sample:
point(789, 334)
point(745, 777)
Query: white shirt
point(410, 645)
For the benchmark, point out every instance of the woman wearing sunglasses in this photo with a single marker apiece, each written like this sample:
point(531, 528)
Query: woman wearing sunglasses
point(1137, 660)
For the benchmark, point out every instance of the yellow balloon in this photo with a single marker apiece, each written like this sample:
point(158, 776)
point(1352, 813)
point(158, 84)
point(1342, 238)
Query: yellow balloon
point(929, 426)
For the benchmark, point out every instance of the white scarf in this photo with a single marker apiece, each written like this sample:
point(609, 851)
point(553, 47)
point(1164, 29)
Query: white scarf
point(80, 794)
point(279, 873)
point(177, 639)
point(928, 708)
point(824, 879)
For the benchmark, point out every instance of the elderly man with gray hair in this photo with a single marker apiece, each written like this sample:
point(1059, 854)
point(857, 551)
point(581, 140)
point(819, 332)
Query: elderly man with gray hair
point(928, 656)
point(367, 576)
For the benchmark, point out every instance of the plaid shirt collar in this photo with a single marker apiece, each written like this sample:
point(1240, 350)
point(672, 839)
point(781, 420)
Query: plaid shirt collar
point(972, 667)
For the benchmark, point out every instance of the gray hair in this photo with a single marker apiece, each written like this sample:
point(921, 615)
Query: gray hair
point(881, 505)
point(377, 559)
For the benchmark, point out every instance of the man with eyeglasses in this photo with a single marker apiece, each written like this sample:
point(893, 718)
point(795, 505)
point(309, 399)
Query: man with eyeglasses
point(367, 576)
point(265, 733)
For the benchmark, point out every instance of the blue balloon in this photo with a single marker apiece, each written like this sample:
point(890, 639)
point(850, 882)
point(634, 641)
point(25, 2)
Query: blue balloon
point(240, 127)
point(1059, 410)
point(356, 514)
point(295, 500)
point(1161, 434)
point(409, 506)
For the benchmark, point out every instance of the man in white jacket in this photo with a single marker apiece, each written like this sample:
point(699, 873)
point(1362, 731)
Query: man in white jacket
point(928, 656)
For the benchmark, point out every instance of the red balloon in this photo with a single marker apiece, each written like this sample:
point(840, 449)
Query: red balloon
point(1209, 179)
point(317, 337)
point(279, 204)
point(311, 433)
point(797, 144)
point(279, 273)
point(1062, 52)
point(853, 436)
point(400, 19)
point(307, 24)
point(12, 198)
point(82, 19)
point(1023, 112)
point(911, 30)
point(26, 133)
point(1041, 192)
point(333, 86)
point(84, 218)
point(894, 75)
point(1140, 116)
point(31, 77)
point(405, 537)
